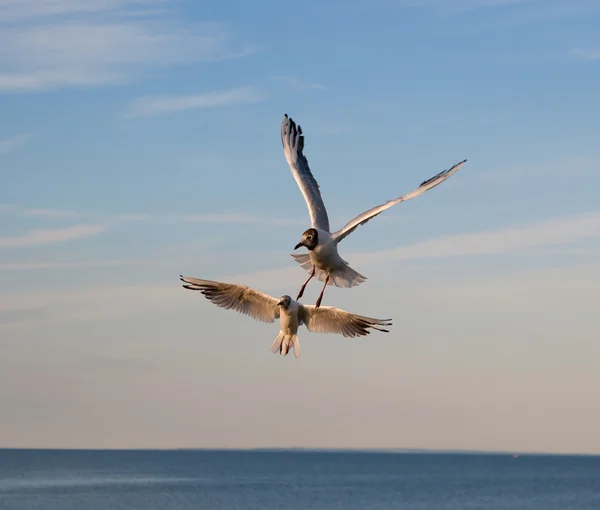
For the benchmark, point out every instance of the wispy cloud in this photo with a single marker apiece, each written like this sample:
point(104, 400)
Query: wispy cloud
point(236, 218)
point(76, 49)
point(149, 106)
point(109, 302)
point(586, 54)
point(50, 214)
point(50, 236)
point(493, 3)
point(524, 292)
point(12, 10)
point(510, 240)
point(460, 5)
point(96, 303)
point(130, 218)
point(13, 143)
point(519, 292)
point(218, 218)
point(226, 217)
point(44, 265)
point(297, 84)
point(518, 239)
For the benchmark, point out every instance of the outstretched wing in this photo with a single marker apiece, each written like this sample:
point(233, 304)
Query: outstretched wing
point(240, 298)
point(327, 319)
point(361, 219)
point(292, 140)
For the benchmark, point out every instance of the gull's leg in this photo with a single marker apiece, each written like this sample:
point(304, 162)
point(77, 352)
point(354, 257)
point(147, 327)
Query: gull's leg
point(321, 295)
point(305, 283)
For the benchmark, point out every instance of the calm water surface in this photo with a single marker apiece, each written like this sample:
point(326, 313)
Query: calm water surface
point(152, 480)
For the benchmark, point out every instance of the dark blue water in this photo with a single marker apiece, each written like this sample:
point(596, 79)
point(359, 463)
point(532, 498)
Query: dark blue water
point(150, 480)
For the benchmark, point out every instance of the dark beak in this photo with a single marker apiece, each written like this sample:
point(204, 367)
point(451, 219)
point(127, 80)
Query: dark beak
point(280, 303)
point(298, 245)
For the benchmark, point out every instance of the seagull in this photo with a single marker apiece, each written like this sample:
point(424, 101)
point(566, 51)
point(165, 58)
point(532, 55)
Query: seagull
point(323, 259)
point(290, 313)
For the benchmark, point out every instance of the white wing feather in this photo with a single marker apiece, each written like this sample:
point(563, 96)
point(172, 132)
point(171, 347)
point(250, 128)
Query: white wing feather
point(327, 319)
point(292, 140)
point(240, 298)
point(361, 219)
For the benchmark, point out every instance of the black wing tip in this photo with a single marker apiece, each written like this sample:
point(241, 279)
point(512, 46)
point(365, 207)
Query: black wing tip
point(192, 286)
point(442, 173)
point(383, 330)
point(292, 123)
point(293, 131)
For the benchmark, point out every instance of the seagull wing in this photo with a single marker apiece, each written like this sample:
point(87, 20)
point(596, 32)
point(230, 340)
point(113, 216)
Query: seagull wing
point(292, 140)
point(240, 298)
point(361, 219)
point(327, 319)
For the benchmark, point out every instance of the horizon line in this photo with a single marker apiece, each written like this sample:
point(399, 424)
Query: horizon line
point(298, 449)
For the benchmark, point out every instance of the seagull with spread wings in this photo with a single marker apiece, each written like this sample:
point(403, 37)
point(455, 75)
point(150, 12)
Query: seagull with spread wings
point(290, 313)
point(323, 259)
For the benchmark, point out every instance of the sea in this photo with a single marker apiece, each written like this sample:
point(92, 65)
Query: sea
point(215, 480)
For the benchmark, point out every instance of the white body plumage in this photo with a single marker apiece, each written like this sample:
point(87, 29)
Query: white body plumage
point(291, 314)
point(323, 260)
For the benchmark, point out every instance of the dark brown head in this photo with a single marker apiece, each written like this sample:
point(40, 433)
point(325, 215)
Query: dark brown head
point(284, 302)
point(310, 239)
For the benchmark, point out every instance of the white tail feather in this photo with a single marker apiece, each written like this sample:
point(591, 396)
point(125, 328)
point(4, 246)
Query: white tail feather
point(276, 346)
point(283, 342)
point(296, 345)
point(285, 345)
point(343, 277)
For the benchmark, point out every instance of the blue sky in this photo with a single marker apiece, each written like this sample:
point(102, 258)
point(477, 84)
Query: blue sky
point(140, 139)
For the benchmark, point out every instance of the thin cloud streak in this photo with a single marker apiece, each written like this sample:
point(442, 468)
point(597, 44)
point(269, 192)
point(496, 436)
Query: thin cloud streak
point(225, 218)
point(49, 54)
point(497, 242)
point(108, 302)
point(534, 292)
point(50, 236)
point(504, 241)
point(492, 3)
point(40, 266)
point(13, 10)
point(460, 5)
point(522, 292)
point(152, 106)
point(50, 214)
point(236, 218)
point(44, 80)
point(13, 143)
point(97, 303)
point(586, 54)
point(297, 84)
point(131, 218)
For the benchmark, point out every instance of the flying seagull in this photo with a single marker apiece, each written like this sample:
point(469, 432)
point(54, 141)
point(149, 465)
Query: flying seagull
point(290, 313)
point(323, 259)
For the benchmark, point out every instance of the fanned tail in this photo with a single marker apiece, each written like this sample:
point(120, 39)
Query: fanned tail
point(276, 346)
point(345, 277)
point(283, 342)
point(296, 345)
